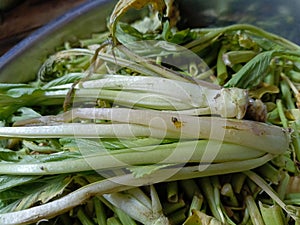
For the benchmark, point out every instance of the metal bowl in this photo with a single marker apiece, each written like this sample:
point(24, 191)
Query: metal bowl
point(21, 63)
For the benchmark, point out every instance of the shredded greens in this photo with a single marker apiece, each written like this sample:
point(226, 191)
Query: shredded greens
point(150, 124)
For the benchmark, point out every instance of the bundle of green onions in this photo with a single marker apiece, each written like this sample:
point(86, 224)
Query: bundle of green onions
point(133, 131)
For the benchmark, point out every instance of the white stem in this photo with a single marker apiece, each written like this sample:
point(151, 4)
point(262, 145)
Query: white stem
point(268, 138)
point(230, 102)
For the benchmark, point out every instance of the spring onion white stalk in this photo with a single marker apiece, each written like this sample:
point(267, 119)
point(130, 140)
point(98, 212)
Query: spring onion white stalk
point(158, 93)
point(229, 102)
point(137, 210)
point(139, 123)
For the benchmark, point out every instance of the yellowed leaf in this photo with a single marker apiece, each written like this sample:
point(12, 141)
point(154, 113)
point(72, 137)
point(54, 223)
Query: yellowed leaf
point(124, 5)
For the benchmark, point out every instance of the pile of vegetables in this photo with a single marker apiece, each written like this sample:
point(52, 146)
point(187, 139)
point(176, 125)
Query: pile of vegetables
point(155, 126)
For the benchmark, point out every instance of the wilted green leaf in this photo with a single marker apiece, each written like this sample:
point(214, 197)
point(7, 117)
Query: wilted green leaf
point(200, 218)
point(25, 113)
point(41, 190)
point(253, 72)
point(124, 5)
point(9, 181)
point(177, 37)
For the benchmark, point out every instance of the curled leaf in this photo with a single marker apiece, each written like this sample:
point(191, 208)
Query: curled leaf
point(264, 89)
point(124, 5)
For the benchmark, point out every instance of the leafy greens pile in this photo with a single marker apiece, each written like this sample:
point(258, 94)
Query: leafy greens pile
point(111, 132)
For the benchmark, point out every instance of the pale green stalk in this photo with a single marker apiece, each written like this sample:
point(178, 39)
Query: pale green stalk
point(189, 187)
point(84, 219)
point(246, 218)
point(283, 184)
point(292, 199)
point(117, 184)
point(177, 217)
point(235, 57)
point(255, 215)
point(113, 221)
point(103, 56)
point(227, 191)
point(214, 33)
point(99, 212)
point(268, 138)
point(124, 217)
point(269, 173)
point(170, 208)
point(138, 211)
point(213, 202)
point(196, 203)
point(237, 182)
point(227, 102)
point(172, 191)
point(178, 153)
point(273, 195)
point(141, 196)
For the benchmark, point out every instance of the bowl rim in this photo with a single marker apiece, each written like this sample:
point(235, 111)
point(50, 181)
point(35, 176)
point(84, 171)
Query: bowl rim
point(9, 61)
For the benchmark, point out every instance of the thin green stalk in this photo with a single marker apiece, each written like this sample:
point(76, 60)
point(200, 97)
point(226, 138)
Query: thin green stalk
point(162, 71)
point(246, 217)
point(215, 32)
point(227, 191)
point(113, 221)
point(100, 212)
point(209, 192)
point(172, 191)
point(117, 184)
point(222, 73)
point(217, 197)
point(269, 173)
point(283, 184)
point(189, 188)
point(273, 195)
point(282, 116)
point(286, 95)
point(141, 196)
point(124, 218)
point(84, 219)
point(169, 208)
point(196, 203)
point(238, 181)
point(292, 199)
point(296, 140)
point(253, 188)
point(156, 206)
point(177, 217)
point(103, 56)
point(255, 215)
point(235, 57)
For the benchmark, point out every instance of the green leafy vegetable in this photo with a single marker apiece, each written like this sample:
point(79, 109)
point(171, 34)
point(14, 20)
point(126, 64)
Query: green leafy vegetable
point(163, 126)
